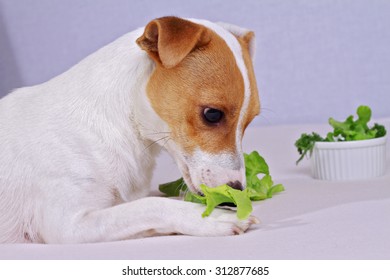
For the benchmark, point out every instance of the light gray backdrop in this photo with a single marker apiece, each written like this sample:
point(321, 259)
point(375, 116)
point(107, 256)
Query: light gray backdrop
point(315, 58)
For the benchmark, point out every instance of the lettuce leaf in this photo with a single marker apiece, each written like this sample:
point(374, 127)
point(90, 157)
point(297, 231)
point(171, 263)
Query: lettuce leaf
point(256, 189)
point(173, 188)
point(306, 142)
point(225, 194)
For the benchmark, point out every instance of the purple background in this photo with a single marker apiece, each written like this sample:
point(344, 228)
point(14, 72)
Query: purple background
point(315, 59)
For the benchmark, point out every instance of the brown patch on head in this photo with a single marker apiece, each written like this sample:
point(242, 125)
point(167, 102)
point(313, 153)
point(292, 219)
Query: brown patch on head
point(206, 77)
point(254, 102)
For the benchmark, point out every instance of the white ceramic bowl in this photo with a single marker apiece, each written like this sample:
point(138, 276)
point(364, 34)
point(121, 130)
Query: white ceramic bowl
point(350, 160)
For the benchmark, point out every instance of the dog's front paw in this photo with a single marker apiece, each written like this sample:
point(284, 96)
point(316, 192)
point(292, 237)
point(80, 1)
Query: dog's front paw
point(225, 222)
point(221, 222)
point(244, 226)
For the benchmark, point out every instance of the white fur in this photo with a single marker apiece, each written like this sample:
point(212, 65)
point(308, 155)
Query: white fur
point(77, 155)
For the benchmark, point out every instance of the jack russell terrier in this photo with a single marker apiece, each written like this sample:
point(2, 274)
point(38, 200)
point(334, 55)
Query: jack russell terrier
point(77, 152)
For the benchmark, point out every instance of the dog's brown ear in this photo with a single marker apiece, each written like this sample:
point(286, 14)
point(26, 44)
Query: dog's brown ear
point(249, 40)
point(169, 40)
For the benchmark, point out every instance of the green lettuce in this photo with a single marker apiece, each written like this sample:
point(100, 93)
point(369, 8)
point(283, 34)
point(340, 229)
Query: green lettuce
point(256, 189)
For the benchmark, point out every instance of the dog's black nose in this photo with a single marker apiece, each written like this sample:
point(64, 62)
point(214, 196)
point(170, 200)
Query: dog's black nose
point(236, 185)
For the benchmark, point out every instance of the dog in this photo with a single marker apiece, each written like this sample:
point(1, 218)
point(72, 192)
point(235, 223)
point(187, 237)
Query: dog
point(77, 152)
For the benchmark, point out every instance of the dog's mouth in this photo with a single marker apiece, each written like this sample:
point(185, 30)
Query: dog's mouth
point(187, 179)
point(181, 163)
point(205, 170)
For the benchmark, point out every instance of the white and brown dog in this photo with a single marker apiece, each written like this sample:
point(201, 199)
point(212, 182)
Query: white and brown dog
point(77, 152)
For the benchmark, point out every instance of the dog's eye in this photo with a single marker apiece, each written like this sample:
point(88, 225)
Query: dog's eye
point(212, 115)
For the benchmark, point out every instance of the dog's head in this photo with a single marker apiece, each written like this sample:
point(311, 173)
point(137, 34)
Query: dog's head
point(204, 92)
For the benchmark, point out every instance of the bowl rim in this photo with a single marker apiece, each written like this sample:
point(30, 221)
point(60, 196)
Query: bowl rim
point(351, 144)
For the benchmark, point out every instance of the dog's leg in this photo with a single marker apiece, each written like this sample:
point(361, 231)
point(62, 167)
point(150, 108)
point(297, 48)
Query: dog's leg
point(144, 217)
